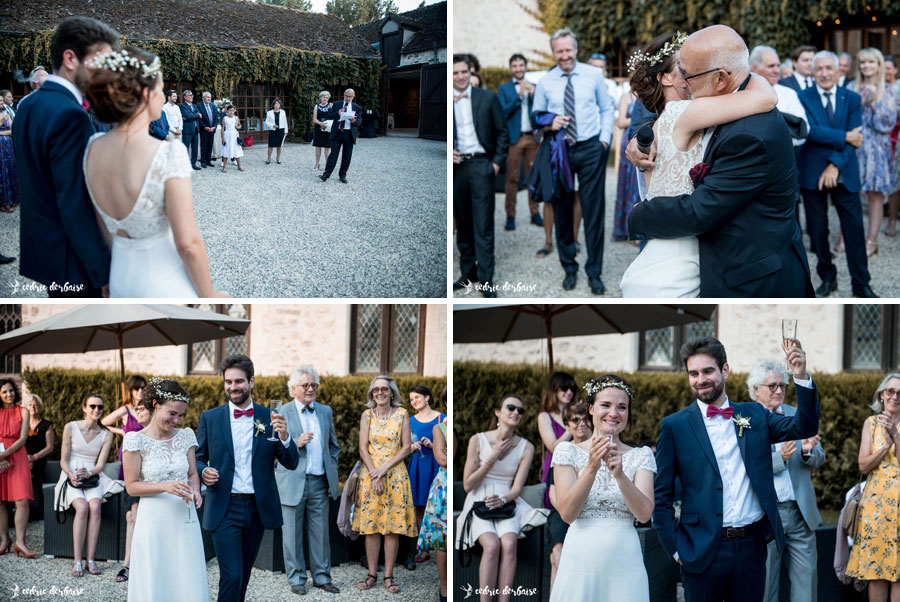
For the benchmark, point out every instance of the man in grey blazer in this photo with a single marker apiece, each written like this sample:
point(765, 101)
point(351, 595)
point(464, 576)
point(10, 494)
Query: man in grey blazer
point(791, 465)
point(304, 491)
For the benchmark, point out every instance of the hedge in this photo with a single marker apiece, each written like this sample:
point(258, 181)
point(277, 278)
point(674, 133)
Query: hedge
point(844, 399)
point(218, 69)
point(63, 390)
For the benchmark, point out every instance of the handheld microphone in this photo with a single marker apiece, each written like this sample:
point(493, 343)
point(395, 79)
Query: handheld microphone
point(645, 139)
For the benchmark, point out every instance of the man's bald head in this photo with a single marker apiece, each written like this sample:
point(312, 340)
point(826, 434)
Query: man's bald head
point(714, 49)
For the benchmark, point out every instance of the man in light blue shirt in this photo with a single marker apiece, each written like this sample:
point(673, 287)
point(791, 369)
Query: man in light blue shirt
point(576, 93)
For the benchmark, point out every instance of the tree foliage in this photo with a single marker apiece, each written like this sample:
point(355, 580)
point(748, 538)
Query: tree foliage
point(297, 4)
point(356, 12)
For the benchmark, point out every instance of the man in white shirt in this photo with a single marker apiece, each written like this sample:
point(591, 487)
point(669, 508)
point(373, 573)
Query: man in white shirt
point(721, 453)
point(304, 491)
point(173, 114)
point(803, 75)
point(767, 384)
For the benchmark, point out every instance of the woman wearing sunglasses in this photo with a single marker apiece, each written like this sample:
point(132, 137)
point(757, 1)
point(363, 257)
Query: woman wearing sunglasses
point(560, 392)
point(496, 468)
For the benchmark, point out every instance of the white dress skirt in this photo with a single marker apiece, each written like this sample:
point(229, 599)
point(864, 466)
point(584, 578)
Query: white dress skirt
point(148, 267)
point(231, 149)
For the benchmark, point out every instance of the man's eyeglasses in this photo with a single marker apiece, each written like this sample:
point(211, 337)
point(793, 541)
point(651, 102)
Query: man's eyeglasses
point(687, 77)
point(891, 392)
point(775, 386)
point(306, 386)
point(515, 408)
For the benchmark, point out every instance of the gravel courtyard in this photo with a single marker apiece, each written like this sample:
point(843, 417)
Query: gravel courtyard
point(527, 276)
point(278, 231)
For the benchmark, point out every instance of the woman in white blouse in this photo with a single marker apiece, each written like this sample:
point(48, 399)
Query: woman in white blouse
point(277, 124)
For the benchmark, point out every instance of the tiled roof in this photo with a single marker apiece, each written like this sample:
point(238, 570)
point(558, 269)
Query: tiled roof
point(430, 20)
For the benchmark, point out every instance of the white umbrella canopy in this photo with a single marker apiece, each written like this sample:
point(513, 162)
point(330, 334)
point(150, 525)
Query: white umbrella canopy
point(98, 327)
point(497, 323)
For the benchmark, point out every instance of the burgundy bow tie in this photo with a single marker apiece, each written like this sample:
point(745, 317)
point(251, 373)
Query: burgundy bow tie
point(459, 97)
point(712, 411)
point(247, 412)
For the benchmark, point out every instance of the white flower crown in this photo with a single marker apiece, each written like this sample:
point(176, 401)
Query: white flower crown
point(670, 47)
point(596, 385)
point(155, 381)
point(121, 60)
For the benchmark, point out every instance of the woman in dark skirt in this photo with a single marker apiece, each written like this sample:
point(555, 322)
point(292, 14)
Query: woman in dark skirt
point(277, 124)
point(38, 446)
point(321, 137)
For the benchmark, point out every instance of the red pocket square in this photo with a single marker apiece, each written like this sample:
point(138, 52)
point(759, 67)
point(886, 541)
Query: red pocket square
point(698, 172)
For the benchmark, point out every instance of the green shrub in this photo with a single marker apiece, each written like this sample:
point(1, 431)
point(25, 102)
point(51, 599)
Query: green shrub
point(843, 398)
point(494, 77)
point(63, 390)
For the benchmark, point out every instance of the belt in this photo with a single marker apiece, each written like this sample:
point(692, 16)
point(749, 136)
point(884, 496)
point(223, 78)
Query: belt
point(468, 156)
point(738, 532)
point(244, 496)
point(788, 503)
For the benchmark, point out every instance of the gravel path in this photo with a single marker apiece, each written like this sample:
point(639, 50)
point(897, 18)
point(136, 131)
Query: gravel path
point(419, 586)
point(278, 231)
point(527, 276)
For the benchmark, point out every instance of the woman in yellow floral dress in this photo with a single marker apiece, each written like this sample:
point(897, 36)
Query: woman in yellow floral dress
point(384, 504)
point(875, 555)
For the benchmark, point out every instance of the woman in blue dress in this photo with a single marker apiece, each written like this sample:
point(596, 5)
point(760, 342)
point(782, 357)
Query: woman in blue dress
point(626, 184)
point(9, 182)
point(422, 465)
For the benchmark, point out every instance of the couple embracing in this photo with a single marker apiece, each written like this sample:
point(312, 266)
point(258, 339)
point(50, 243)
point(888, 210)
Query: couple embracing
point(721, 208)
point(721, 454)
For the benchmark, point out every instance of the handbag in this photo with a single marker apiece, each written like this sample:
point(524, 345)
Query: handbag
point(850, 515)
point(481, 510)
point(88, 483)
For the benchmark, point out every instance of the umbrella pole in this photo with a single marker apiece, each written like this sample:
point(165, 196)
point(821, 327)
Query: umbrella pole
point(548, 320)
point(121, 370)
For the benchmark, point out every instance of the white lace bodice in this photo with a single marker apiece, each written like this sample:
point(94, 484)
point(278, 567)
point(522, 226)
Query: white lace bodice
point(148, 215)
point(230, 123)
point(162, 460)
point(671, 174)
point(605, 499)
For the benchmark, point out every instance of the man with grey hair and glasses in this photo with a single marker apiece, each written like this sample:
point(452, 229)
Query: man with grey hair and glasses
point(767, 384)
point(36, 79)
point(575, 96)
point(304, 491)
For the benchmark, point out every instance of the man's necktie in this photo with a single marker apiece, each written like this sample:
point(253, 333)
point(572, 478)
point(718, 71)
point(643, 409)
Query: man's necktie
point(712, 411)
point(829, 109)
point(569, 104)
point(248, 412)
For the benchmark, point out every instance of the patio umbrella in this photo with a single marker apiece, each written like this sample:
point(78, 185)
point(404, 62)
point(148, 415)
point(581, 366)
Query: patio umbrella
point(500, 323)
point(99, 327)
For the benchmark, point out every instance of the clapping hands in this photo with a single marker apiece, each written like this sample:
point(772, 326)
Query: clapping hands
point(890, 429)
point(601, 448)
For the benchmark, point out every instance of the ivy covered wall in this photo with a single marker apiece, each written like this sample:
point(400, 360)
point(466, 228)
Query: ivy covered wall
point(219, 70)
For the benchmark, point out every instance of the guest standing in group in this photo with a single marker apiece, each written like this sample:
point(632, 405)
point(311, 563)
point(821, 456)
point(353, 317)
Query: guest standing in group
point(496, 468)
point(7, 97)
point(875, 551)
point(433, 534)
point(626, 183)
point(384, 505)
point(876, 162)
point(322, 134)
point(191, 116)
point(143, 415)
point(277, 124)
point(127, 415)
point(231, 123)
point(344, 133)
point(891, 81)
point(173, 115)
point(9, 179)
point(85, 448)
point(15, 476)
point(40, 443)
point(423, 466)
point(209, 119)
point(560, 392)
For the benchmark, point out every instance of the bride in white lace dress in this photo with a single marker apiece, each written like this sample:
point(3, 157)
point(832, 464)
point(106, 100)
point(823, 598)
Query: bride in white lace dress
point(602, 485)
point(167, 559)
point(671, 267)
point(141, 186)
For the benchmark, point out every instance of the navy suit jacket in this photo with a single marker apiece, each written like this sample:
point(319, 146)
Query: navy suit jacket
point(684, 451)
point(827, 144)
point(215, 448)
point(160, 128)
point(60, 239)
point(336, 108)
point(511, 103)
point(204, 122)
point(191, 116)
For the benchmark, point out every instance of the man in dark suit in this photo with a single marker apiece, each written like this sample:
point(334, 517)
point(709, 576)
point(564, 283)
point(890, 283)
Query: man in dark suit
point(61, 243)
point(515, 99)
point(479, 148)
point(191, 133)
point(845, 61)
point(721, 452)
point(235, 463)
point(343, 134)
point(829, 166)
point(743, 209)
point(209, 118)
point(802, 78)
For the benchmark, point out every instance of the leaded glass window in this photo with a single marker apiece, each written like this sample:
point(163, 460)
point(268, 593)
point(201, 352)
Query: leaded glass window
point(387, 338)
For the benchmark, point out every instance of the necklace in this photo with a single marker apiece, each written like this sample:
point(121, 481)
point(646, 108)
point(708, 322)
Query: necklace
point(383, 421)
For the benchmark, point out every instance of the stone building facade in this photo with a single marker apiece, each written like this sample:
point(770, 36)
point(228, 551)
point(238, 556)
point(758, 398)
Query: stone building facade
point(493, 31)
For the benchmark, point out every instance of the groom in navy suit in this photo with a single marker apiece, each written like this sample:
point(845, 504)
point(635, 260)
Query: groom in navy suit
point(235, 460)
point(721, 452)
point(60, 241)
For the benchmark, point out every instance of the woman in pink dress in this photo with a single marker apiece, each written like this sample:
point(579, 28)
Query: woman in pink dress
point(15, 471)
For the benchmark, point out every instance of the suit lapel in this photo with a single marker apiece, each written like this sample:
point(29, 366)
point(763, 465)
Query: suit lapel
point(742, 445)
point(257, 415)
point(715, 134)
point(225, 423)
point(696, 421)
point(323, 431)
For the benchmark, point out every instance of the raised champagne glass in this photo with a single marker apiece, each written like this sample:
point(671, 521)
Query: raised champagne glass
point(275, 407)
point(788, 332)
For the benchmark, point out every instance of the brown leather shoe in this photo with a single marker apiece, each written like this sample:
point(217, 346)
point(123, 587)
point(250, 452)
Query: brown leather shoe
point(328, 587)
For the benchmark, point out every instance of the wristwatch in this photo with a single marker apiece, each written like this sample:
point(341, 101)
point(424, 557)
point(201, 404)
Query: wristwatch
point(503, 501)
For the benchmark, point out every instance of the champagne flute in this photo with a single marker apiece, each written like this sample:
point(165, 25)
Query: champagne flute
point(788, 332)
point(275, 407)
point(188, 503)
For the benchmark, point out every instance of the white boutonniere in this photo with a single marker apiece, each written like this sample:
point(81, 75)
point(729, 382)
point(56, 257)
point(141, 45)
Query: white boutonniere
point(742, 422)
point(260, 427)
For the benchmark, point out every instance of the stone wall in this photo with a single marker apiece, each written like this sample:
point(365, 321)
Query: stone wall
point(493, 31)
